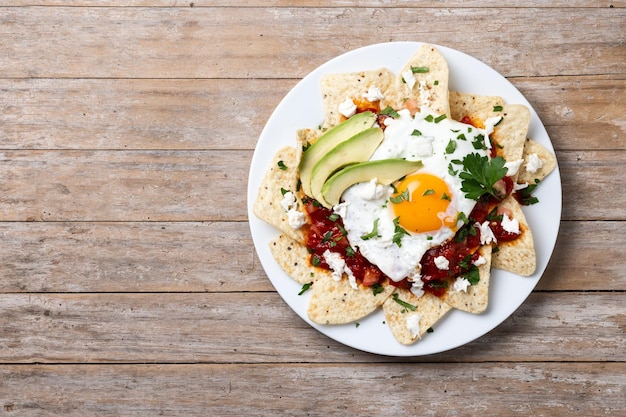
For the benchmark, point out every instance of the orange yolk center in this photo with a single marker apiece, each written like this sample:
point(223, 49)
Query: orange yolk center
point(421, 202)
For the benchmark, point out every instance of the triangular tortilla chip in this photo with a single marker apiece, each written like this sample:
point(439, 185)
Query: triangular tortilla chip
point(282, 174)
point(336, 88)
point(336, 302)
point(519, 255)
point(428, 310)
point(293, 258)
point(463, 104)
point(548, 161)
point(510, 135)
point(430, 88)
point(476, 299)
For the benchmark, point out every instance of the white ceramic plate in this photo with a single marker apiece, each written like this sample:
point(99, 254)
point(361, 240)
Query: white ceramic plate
point(302, 107)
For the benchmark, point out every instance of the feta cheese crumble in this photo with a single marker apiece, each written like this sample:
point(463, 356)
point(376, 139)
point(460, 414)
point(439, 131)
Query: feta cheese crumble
point(510, 225)
point(442, 263)
point(347, 108)
point(461, 284)
point(486, 234)
point(295, 217)
point(373, 94)
point(534, 163)
point(413, 324)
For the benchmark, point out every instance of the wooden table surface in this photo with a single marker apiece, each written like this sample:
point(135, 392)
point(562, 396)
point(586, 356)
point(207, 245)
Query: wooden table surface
point(129, 284)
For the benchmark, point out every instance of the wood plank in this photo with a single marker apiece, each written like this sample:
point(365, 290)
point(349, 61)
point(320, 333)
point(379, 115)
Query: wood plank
point(210, 185)
point(120, 186)
point(260, 328)
point(538, 389)
point(578, 112)
point(219, 256)
point(317, 3)
point(84, 42)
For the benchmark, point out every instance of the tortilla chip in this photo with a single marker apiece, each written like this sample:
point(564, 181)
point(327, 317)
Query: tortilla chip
point(462, 104)
point(428, 307)
point(336, 302)
point(336, 88)
point(476, 299)
point(430, 88)
point(293, 258)
point(519, 255)
point(548, 160)
point(510, 135)
point(267, 205)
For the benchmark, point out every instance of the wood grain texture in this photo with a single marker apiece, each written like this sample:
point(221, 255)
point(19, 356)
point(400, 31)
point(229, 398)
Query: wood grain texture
point(271, 43)
point(578, 112)
point(210, 185)
point(129, 284)
point(220, 257)
point(242, 327)
point(538, 389)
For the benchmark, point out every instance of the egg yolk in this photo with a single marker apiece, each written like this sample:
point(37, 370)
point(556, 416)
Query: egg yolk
point(420, 203)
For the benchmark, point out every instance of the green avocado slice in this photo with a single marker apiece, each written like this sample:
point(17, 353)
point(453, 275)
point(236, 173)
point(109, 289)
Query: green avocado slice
point(385, 171)
point(331, 138)
point(359, 148)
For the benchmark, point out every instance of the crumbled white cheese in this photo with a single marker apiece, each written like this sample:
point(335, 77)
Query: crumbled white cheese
point(442, 263)
point(409, 78)
point(413, 324)
point(373, 94)
point(289, 201)
point(336, 264)
point(424, 94)
point(461, 284)
point(347, 108)
point(510, 225)
point(295, 217)
point(480, 261)
point(534, 163)
point(513, 166)
point(486, 234)
point(351, 278)
point(417, 285)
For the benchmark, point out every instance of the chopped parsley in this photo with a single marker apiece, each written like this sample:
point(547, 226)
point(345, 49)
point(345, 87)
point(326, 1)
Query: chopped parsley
point(377, 289)
point(389, 111)
point(399, 198)
point(428, 192)
point(416, 133)
point(398, 232)
point(419, 70)
point(497, 108)
point(440, 118)
point(305, 288)
point(403, 303)
point(451, 147)
point(282, 165)
point(525, 196)
point(373, 233)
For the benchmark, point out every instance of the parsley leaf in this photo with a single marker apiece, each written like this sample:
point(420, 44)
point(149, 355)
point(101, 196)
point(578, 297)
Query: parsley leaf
point(398, 199)
point(398, 232)
point(373, 233)
point(480, 175)
point(389, 111)
point(403, 303)
point(305, 288)
point(451, 147)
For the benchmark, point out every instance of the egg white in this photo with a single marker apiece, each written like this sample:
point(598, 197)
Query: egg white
point(366, 202)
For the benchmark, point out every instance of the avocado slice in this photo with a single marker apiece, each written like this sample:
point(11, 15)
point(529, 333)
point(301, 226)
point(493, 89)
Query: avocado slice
point(358, 148)
point(331, 138)
point(385, 171)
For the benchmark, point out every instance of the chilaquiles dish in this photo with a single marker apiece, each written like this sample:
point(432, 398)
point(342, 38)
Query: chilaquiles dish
point(405, 198)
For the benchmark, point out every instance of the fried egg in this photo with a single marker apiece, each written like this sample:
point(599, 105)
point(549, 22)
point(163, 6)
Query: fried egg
point(393, 226)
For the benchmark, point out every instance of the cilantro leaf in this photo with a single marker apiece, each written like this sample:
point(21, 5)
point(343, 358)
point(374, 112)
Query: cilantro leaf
point(480, 174)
